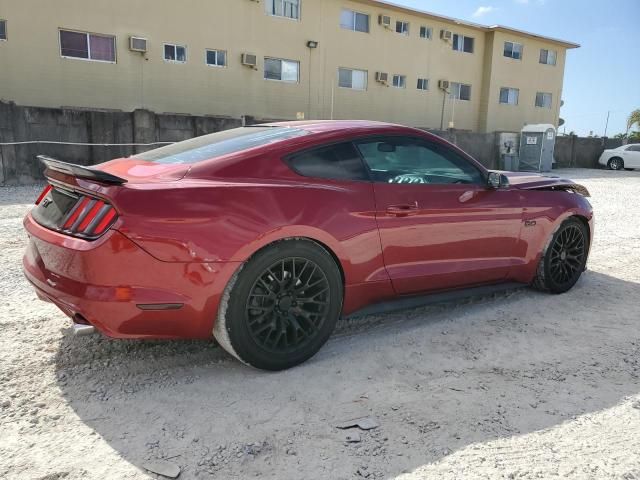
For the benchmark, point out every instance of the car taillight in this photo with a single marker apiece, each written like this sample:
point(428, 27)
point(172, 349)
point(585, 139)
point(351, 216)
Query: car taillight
point(44, 193)
point(89, 218)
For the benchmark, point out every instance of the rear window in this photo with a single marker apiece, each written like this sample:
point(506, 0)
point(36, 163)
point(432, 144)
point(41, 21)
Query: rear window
point(218, 144)
point(338, 162)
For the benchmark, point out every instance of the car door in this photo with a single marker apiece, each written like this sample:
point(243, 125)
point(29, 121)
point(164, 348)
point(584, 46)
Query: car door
point(632, 156)
point(440, 226)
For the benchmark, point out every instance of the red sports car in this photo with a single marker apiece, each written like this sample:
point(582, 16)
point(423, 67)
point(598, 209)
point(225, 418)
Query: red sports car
point(263, 236)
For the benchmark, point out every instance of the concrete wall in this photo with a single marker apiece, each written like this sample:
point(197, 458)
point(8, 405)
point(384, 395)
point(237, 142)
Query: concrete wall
point(34, 73)
point(573, 151)
point(23, 124)
point(481, 146)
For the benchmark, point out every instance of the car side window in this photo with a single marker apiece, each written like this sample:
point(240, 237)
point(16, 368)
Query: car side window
point(634, 148)
point(337, 162)
point(413, 160)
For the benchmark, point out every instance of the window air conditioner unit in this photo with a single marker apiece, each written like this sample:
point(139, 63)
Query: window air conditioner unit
point(446, 35)
point(249, 60)
point(138, 44)
point(382, 77)
point(384, 20)
point(443, 84)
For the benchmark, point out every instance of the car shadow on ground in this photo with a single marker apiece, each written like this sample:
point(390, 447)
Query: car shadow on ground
point(437, 379)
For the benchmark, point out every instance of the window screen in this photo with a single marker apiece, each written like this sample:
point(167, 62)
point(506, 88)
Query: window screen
point(355, 79)
point(543, 100)
point(283, 8)
point(513, 50)
point(338, 162)
point(216, 58)
point(175, 53)
point(283, 70)
point(548, 57)
point(89, 46)
point(509, 95)
point(74, 44)
point(350, 20)
point(426, 32)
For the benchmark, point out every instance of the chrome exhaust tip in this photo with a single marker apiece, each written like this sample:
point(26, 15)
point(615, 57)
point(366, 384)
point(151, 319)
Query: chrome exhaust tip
point(80, 330)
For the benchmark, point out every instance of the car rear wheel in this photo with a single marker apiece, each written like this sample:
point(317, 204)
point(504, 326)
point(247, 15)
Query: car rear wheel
point(282, 306)
point(565, 258)
point(616, 163)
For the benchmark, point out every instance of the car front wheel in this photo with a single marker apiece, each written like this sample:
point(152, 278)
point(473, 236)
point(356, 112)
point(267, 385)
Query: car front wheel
point(615, 163)
point(282, 306)
point(565, 258)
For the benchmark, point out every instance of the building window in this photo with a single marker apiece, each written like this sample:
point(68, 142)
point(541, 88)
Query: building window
point(88, 46)
point(548, 57)
point(543, 100)
point(426, 32)
point(460, 91)
point(402, 28)
point(509, 95)
point(423, 84)
point(513, 50)
point(355, 79)
point(216, 58)
point(282, 70)
point(400, 81)
point(175, 53)
point(283, 8)
point(462, 43)
point(3, 29)
point(358, 22)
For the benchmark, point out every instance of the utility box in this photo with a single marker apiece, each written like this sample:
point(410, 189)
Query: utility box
point(508, 146)
point(537, 143)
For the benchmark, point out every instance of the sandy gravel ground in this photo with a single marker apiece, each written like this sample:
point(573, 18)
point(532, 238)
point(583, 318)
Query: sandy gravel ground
point(512, 385)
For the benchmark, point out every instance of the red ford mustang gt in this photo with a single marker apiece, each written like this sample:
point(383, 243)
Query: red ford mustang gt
point(263, 236)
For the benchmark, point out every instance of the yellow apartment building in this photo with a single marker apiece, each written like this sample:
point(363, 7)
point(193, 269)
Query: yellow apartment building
point(280, 59)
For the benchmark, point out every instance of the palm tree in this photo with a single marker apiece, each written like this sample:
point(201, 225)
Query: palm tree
point(634, 118)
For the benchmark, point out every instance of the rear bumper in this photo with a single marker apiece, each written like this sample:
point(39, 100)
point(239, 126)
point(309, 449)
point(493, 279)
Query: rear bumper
point(115, 286)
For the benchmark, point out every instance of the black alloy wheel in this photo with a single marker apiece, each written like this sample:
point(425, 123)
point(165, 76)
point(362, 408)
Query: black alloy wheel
point(565, 258)
point(281, 306)
point(567, 255)
point(287, 305)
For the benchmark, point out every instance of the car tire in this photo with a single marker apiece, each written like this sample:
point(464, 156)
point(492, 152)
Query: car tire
point(615, 163)
point(281, 306)
point(564, 259)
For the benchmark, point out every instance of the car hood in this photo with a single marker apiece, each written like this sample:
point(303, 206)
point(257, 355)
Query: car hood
point(536, 181)
point(135, 170)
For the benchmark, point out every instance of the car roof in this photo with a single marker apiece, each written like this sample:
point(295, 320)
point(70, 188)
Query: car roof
point(326, 126)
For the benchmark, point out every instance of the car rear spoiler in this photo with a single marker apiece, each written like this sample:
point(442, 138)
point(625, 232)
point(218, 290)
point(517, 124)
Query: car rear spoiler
point(79, 171)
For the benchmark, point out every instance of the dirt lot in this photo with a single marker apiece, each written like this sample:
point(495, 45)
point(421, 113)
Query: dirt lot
point(513, 385)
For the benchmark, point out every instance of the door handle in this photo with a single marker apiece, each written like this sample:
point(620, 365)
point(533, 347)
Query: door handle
point(403, 210)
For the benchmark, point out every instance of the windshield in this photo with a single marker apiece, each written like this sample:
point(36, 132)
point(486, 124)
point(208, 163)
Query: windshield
point(218, 144)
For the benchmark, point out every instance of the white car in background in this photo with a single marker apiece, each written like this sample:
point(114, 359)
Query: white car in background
point(626, 156)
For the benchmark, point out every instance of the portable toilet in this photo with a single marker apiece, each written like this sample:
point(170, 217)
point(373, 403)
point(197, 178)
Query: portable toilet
point(536, 147)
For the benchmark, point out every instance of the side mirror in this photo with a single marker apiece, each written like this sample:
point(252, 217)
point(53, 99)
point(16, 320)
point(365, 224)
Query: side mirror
point(497, 180)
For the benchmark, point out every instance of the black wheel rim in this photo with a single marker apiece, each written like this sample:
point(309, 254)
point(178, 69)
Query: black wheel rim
point(288, 305)
point(567, 255)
